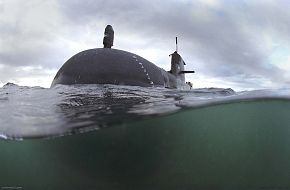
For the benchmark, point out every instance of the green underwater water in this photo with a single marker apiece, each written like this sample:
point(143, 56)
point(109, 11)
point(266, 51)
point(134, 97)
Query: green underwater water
point(242, 145)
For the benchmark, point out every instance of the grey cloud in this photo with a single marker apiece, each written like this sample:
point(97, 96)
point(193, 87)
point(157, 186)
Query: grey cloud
point(27, 38)
point(31, 73)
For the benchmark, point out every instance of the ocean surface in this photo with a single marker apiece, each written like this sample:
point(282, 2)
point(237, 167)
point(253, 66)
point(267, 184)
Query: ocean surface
point(124, 137)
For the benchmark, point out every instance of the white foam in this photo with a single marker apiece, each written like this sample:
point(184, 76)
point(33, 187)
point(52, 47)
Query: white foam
point(2, 136)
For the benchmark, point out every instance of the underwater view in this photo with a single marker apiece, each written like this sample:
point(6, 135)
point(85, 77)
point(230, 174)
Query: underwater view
point(129, 137)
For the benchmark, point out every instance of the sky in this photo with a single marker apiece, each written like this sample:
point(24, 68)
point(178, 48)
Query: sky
point(239, 44)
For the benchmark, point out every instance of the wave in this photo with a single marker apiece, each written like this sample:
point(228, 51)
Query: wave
point(35, 112)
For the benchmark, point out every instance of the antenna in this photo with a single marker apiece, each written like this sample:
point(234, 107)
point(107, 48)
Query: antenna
point(176, 44)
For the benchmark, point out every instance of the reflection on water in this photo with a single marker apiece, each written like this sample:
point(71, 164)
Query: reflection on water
point(95, 107)
point(99, 109)
point(38, 112)
point(27, 112)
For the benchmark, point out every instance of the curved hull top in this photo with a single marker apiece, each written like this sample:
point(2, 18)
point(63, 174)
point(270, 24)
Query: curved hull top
point(111, 66)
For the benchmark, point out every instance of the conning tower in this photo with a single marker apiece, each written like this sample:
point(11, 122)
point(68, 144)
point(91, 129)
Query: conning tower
point(177, 65)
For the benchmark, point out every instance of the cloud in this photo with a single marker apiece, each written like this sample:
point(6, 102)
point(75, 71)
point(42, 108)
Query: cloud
point(29, 34)
point(26, 75)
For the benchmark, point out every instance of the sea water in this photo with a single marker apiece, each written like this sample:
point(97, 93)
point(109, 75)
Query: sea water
point(122, 137)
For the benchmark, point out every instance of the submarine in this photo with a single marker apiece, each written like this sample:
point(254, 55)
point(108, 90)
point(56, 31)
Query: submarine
point(113, 66)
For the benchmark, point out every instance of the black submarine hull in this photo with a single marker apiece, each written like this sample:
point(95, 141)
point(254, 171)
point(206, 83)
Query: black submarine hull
point(113, 66)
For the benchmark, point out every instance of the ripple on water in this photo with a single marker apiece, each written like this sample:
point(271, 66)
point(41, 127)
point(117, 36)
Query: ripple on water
point(39, 112)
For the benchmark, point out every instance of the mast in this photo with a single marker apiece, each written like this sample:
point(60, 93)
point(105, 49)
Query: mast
point(176, 46)
point(108, 37)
